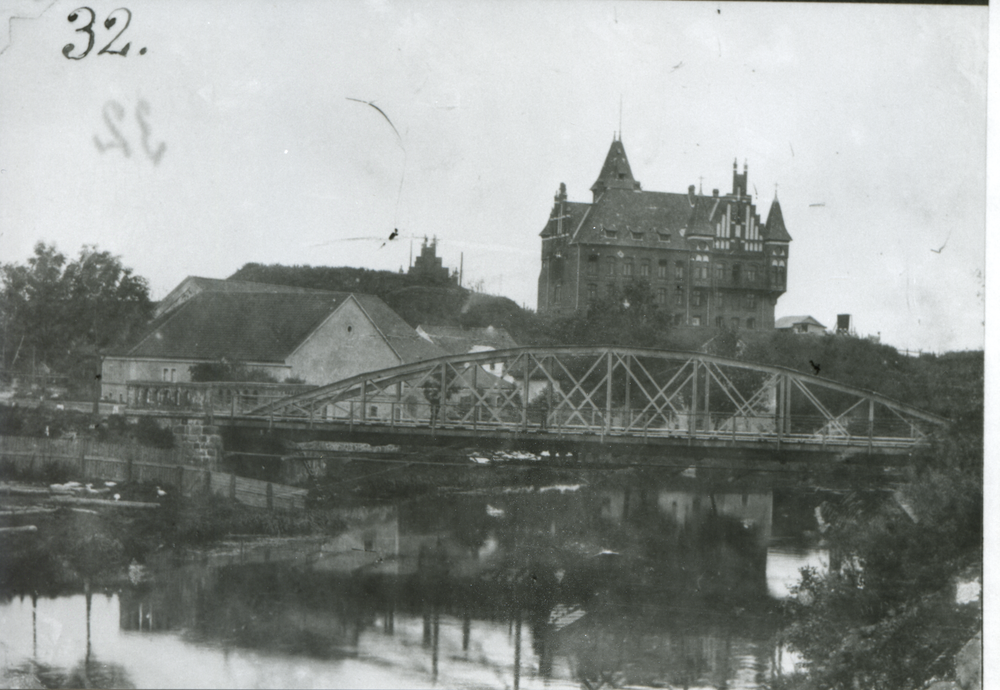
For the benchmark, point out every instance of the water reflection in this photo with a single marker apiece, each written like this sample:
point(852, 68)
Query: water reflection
point(549, 586)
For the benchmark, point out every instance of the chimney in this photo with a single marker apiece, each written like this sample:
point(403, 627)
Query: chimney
point(715, 192)
point(691, 194)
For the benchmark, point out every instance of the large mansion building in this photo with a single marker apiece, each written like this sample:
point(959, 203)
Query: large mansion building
point(708, 260)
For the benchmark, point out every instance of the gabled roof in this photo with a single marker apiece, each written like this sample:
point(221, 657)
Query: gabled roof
point(264, 327)
point(574, 213)
point(774, 228)
point(456, 340)
point(789, 321)
point(238, 326)
point(403, 339)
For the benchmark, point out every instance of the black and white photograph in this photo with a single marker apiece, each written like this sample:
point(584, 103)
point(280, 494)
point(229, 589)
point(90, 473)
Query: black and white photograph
point(529, 344)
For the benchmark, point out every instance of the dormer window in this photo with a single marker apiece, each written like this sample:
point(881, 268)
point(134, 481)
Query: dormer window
point(609, 232)
point(637, 235)
point(663, 236)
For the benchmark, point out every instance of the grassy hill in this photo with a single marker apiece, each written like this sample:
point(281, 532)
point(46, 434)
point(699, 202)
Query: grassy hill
point(415, 299)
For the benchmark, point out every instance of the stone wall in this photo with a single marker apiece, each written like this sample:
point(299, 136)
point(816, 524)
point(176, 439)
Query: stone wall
point(200, 444)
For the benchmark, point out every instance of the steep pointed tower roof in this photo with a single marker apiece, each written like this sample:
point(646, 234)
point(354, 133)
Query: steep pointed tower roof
point(616, 173)
point(774, 229)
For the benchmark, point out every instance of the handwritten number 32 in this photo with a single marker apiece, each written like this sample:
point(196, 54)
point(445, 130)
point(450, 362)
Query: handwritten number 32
point(89, 30)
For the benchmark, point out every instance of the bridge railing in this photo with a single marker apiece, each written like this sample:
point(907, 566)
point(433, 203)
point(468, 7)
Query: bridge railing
point(219, 397)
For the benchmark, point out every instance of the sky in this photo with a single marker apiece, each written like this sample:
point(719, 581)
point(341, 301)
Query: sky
point(244, 145)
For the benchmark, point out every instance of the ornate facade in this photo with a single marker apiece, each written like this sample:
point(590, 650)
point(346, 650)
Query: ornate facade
point(709, 260)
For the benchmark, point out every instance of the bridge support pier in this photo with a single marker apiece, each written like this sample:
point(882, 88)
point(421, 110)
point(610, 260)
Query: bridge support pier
point(200, 443)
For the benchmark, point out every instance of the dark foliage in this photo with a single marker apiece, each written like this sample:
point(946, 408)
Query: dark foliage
point(62, 314)
point(886, 615)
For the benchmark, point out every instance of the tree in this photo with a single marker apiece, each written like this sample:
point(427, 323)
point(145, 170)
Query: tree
point(885, 616)
point(33, 302)
point(63, 313)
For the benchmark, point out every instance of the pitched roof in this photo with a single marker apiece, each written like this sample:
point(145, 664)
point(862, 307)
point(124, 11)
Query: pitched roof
point(238, 326)
point(789, 321)
point(403, 339)
point(616, 173)
point(193, 285)
point(632, 214)
point(264, 326)
point(774, 228)
point(574, 212)
point(456, 340)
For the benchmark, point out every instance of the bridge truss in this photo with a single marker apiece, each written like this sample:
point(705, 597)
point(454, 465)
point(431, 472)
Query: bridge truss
point(609, 394)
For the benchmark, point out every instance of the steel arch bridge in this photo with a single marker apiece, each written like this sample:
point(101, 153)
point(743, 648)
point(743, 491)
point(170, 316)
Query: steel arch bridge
point(606, 395)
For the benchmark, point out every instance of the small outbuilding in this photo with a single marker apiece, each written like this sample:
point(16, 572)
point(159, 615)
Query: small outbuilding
point(800, 324)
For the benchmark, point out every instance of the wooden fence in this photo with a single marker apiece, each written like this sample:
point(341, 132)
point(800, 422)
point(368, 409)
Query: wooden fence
point(89, 459)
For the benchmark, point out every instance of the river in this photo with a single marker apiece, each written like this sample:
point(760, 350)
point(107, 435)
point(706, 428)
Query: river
point(603, 582)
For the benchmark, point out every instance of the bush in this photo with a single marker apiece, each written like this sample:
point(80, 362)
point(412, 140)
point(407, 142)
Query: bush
point(149, 433)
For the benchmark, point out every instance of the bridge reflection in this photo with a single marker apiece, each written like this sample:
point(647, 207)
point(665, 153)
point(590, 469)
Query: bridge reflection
point(623, 585)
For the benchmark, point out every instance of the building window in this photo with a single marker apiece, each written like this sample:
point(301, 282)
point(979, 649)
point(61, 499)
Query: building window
point(696, 298)
point(627, 268)
point(591, 292)
point(644, 268)
point(661, 269)
point(166, 374)
point(679, 270)
point(173, 375)
point(679, 296)
point(751, 275)
point(719, 300)
point(750, 302)
point(664, 236)
point(751, 323)
point(592, 265)
point(719, 322)
point(700, 267)
point(557, 293)
point(661, 296)
point(611, 265)
point(777, 272)
point(696, 320)
point(720, 272)
point(735, 323)
point(608, 232)
point(636, 235)
point(737, 270)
